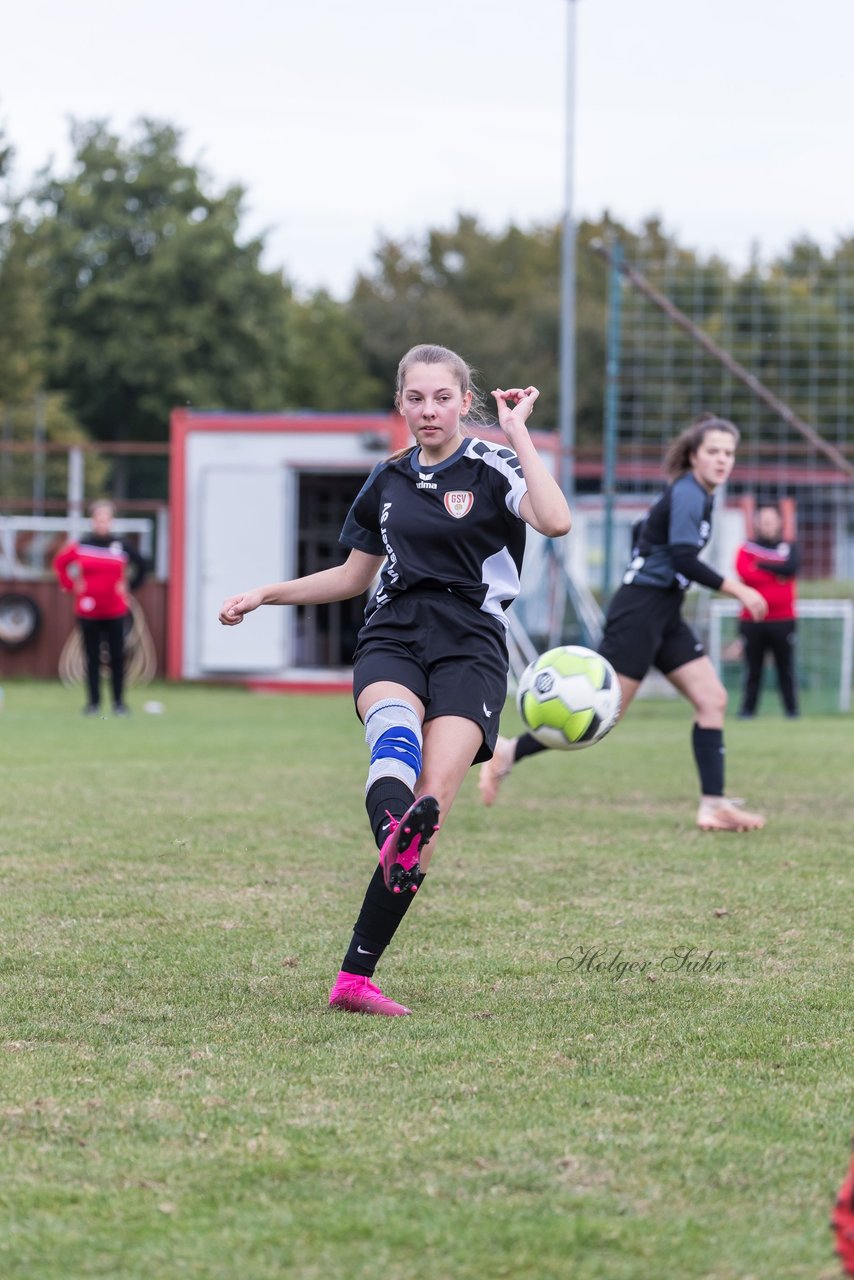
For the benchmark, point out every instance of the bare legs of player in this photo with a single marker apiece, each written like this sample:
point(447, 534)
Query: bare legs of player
point(698, 682)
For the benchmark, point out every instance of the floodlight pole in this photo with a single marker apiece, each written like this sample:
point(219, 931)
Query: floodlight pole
point(566, 405)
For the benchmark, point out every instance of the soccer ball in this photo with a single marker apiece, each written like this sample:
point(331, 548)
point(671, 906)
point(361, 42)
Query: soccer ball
point(569, 697)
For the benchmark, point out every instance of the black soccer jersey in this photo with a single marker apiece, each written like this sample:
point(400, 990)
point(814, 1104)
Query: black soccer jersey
point(453, 527)
point(677, 527)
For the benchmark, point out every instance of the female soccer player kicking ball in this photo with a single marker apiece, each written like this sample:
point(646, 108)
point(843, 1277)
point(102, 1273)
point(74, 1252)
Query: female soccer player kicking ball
point(445, 522)
point(644, 626)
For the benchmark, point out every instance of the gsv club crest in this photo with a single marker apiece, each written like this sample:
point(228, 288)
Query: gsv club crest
point(459, 502)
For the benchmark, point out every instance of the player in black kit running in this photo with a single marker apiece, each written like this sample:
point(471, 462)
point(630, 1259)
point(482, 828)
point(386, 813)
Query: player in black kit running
point(644, 626)
point(445, 522)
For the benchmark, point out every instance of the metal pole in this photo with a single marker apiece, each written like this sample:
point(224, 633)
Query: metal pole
point(39, 437)
point(612, 402)
point(75, 491)
point(6, 456)
point(566, 409)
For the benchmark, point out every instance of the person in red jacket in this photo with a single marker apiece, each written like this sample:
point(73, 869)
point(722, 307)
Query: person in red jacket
point(769, 564)
point(95, 568)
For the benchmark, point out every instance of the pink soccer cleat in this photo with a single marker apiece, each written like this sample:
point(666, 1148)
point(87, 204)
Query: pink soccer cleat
point(399, 854)
point(356, 994)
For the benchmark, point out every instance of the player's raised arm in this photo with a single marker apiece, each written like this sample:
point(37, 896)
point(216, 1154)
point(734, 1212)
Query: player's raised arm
point(544, 506)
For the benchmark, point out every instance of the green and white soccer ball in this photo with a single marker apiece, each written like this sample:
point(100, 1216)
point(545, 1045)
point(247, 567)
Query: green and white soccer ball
point(569, 697)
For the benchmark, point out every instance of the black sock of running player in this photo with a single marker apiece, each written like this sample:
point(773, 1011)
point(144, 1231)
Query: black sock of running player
point(527, 745)
point(708, 747)
point(386, 796)
point(379, 918)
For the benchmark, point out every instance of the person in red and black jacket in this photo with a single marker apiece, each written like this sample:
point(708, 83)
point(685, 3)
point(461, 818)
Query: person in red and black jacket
point(769, 564)
point(96, 568)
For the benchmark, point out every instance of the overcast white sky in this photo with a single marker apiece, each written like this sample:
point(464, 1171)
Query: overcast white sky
point(732, 119)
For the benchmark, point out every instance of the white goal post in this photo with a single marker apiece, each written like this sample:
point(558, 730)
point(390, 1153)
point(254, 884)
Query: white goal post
point(824, 651)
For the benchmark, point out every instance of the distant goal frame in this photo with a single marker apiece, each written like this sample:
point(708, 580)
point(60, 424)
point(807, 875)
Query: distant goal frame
point(841, 609)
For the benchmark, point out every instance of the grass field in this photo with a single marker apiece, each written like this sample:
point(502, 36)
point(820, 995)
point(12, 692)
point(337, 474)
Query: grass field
point(177, 1099)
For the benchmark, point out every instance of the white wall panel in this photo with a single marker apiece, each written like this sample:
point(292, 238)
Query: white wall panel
point(241, 544)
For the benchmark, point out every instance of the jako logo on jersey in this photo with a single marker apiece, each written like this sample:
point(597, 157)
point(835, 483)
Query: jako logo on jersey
point(705, 530)
point(424, 478)
point(459, 502)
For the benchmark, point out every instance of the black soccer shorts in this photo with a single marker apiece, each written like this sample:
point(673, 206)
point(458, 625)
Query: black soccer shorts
point(451, 655)
point(644, 628)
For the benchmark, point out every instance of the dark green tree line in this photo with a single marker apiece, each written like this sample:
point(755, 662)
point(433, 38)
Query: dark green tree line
point(27, 412)
point(151, 300)
point(126, 289)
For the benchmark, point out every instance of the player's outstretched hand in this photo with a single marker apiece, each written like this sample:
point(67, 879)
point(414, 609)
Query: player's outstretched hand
point(514, 407)
point(234, 608)
point(755, 604)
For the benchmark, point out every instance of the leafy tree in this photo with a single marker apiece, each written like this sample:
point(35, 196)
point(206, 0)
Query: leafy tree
point(22, 317)
point(27, 414)
point(326, 367)
point(22, 320)
point(152, 302)
point(495, 297)
point(492, 297)
point(812, 294)
point(24, 474)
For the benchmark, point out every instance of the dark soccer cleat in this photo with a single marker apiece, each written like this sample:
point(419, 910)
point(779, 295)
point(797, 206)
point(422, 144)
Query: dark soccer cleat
point(399, 854)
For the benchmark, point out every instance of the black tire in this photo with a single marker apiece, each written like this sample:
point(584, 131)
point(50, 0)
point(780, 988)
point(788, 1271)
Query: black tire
point(20, 620)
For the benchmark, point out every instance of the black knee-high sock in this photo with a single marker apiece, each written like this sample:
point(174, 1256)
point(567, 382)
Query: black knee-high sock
point(386, 796)
point(381, 911)
point(708, 745)
point(379, 918)
point(527, 745)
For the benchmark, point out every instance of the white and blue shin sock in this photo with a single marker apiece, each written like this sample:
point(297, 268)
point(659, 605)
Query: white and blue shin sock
point(393, 733)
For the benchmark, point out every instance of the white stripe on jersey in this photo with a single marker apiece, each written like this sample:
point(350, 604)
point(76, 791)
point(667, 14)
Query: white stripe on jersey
point(489, 454)
point(780, 552)
point(501, 580)
point(115, 551)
